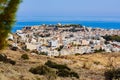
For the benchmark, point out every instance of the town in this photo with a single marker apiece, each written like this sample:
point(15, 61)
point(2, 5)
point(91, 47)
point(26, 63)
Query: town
point(56, 40)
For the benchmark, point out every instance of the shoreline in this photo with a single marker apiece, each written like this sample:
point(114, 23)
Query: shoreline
point(93, 24)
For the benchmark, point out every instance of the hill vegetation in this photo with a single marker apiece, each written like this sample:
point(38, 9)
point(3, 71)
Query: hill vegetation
point(112, 38)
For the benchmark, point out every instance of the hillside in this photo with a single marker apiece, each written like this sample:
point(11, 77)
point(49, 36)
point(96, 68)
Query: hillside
point(88, 66)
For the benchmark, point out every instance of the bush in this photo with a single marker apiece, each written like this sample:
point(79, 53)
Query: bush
point(43, 53)
point(52, 70)
point(56, 66)
point(74, 74)
point(67, 73)
point(96, 62)
point(63, 70)
point(35, 51)
point(14, 48)
point(113, 74)
point(76, 54)
point(25, 56)
point(39, 53)
point(112, 38)
point(63, 73)
point(27, 50)
point(41, 70)
point(4, 58)
point(11, 61)
point(44, 70)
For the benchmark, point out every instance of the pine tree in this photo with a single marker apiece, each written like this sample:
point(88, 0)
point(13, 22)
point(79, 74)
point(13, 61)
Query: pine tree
point(8, 10)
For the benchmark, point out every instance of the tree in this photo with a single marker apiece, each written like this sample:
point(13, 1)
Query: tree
point(8, 10)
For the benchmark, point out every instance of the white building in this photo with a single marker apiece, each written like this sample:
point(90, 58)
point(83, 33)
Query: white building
point(54, 43)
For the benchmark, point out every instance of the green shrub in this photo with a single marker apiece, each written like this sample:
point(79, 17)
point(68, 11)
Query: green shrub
point(112, 38)
point(74, 74)
point(52, 70)
point(113, 74)
point(4, 59)
point(67, 73)
point(96, 62)
point(56, 66)
point(43, 53)
point(25, 56)
point(11, 61)
point(63, 73)
point(63, 70)
point(14, 48)
point(35, 51)
point(44, 70)
point(76, 54)
point(27, 50)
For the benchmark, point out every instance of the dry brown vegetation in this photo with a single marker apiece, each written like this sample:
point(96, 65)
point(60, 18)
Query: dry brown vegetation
point(89, 66)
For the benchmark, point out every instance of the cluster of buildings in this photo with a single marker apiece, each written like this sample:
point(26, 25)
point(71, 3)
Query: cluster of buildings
point(74, 39)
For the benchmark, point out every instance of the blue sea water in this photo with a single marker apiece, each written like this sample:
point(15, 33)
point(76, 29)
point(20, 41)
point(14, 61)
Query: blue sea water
point(93, 24)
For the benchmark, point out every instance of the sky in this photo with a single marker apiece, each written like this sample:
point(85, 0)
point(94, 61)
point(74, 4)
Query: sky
point(69, 9)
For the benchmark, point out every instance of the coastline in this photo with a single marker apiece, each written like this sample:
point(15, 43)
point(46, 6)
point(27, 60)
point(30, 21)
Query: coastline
point(93, 24)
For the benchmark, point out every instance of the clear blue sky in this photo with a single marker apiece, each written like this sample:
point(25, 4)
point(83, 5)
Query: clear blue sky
point(68, 8)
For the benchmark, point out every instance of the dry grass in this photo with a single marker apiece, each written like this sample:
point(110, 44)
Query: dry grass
point(89, 66)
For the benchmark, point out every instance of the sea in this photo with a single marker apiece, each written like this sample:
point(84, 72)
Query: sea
point(94, 24)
